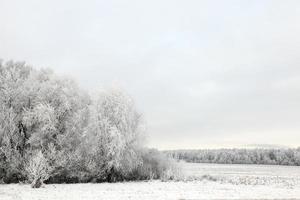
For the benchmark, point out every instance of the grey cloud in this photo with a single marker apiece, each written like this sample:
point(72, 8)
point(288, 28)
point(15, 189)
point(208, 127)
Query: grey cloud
point(204, 73)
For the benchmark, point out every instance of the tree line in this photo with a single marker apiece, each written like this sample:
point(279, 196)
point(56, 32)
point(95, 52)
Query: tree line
point(239, 156)
point(52, 131)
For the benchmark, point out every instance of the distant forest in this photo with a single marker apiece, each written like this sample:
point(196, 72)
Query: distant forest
point(239, 156)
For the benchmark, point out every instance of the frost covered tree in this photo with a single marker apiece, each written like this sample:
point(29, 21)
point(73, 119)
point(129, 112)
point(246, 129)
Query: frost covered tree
point(38, 169)
point(37, 108)
point(10, 157)
point(41, 120)
point(48, 122)
point(13, 137)
point(239, 156)
point(116, 130)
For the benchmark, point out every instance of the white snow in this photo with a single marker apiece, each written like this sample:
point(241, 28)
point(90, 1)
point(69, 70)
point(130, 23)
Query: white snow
point(232, 182)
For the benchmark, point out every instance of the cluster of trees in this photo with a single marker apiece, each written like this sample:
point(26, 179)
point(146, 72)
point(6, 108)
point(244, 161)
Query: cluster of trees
point(239, 156)
point(52, 131)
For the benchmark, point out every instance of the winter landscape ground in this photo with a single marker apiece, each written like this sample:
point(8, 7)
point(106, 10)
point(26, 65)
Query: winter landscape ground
point(211, 181)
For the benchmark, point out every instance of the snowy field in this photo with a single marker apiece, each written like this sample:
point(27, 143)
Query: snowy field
point(211, 181)
point(285, 176)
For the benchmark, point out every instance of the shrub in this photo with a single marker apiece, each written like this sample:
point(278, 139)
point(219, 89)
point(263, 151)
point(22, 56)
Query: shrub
point(155, 165)
point(38, 169)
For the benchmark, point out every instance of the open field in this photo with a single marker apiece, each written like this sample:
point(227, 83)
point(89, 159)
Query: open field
point(215, 181)
point(286, 176)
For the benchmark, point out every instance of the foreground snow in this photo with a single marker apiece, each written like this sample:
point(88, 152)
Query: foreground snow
point(213, 182)
point(148, 190)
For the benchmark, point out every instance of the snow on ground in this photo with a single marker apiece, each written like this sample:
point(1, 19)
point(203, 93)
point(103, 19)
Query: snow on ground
point(283, 176)
point(148, 190)
point(278, 182)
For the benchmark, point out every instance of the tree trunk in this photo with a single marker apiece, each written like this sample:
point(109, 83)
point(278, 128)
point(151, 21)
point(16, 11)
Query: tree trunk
point(36, 183)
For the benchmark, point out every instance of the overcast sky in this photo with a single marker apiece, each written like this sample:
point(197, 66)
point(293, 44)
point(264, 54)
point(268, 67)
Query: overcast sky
point(206, 74)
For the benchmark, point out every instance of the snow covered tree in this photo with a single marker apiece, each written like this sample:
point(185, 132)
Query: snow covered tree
point(38, 169)
point(37, 108)
point(239, 156)
point(41, 120)
point(50, 121)
point(116, 130)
